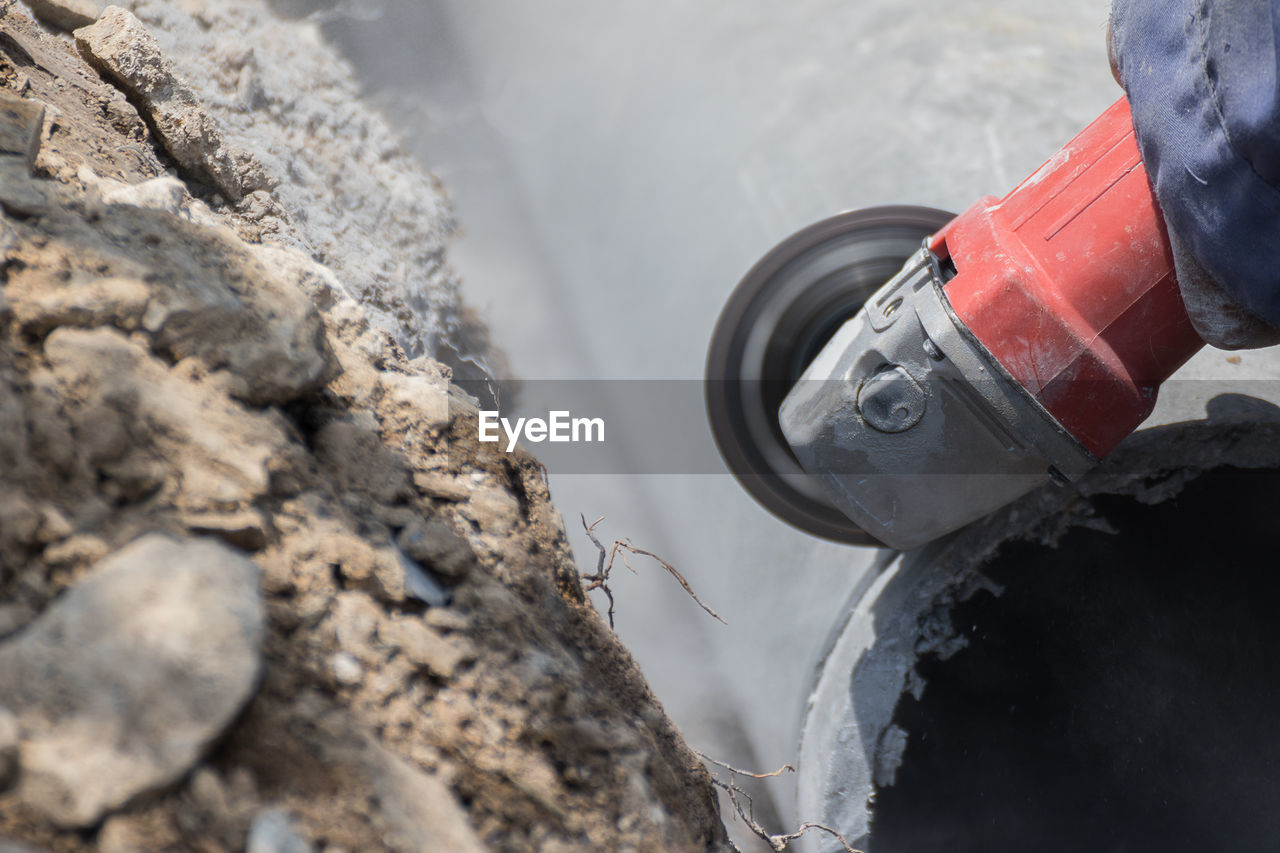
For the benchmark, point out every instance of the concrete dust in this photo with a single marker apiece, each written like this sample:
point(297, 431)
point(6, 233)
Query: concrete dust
point(356, 202)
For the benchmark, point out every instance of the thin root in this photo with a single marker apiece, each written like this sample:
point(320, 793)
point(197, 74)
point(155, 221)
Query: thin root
point(622, 547)
point(778, 842)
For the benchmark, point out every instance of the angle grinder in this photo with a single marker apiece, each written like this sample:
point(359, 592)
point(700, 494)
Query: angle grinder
point(889, 375)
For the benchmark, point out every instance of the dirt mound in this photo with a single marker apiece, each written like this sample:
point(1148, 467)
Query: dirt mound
point(262, 590)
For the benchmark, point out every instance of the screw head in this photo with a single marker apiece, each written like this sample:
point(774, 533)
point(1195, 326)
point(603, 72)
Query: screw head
point(891, 400)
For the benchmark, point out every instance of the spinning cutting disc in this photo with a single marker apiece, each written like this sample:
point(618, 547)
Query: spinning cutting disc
point(775, 323)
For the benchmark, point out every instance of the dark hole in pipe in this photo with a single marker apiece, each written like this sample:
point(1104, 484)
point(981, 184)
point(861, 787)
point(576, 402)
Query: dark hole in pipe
point(1121, 696)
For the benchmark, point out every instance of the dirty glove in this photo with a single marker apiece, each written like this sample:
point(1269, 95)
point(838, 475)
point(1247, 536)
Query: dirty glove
point(1202, 80)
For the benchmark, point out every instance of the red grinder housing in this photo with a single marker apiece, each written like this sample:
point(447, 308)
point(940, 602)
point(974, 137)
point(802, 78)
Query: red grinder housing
point(1068, 283)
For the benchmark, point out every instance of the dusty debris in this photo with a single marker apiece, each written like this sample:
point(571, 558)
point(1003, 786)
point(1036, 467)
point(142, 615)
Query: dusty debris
point(87, 122)
point(347, 195)
point(201, 295)
point(121, 48)
point(120, 685)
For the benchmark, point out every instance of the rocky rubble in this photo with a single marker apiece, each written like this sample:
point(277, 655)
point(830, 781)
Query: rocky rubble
point(122, 50)
point(260, 588)
point(356, 202)
point(159, 644)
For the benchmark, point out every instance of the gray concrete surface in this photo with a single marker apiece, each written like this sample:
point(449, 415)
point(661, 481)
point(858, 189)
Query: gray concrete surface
point(617, 167)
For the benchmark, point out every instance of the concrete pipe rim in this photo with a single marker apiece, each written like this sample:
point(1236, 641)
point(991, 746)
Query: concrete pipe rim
point(900, 615)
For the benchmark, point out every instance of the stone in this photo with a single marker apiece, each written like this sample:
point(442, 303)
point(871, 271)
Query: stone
point(220, 450)
point(350, 448)
point(494, 508)
point(424, 647)
point(80, 549)
point(65, 15)
point(119, 46)
point(199, 293)
point(120, 834)
point(209, 794)
point(125, 680)
point(163, 193)
point(19, 519)
point(420, 811)
point(355, 620)
point(241, 317)
point(21, 123)
point(412, 809)
point(273, 831)
point(54, 526)
point(423, 398)
point(8, 238)
point(42, 303)
point(434, 543)
point(246, 529)
point(346, 669)
point(445, 619)
point(443, 486)
point(305, 273)
point(134, 477)
point(417, 583)
point(20, 194)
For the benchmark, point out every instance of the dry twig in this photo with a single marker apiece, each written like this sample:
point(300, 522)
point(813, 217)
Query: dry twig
point(623, 547)
point(736, 795)
point(733, 771)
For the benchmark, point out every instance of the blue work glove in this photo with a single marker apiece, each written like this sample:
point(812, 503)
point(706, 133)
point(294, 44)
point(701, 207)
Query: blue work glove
point(1202, 80)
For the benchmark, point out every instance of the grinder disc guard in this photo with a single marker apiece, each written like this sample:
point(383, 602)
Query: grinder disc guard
point(774, 324)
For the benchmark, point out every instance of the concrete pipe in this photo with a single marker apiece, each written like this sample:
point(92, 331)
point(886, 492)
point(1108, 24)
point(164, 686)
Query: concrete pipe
point(1091, 668)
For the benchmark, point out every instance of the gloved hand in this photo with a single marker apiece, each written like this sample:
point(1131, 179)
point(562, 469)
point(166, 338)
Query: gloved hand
point(1203, 81)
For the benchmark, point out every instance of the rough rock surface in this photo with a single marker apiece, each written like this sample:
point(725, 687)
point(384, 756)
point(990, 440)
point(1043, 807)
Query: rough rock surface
point(356, 202)
point(431, 675)
point(121, 684)
point(122, 50)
